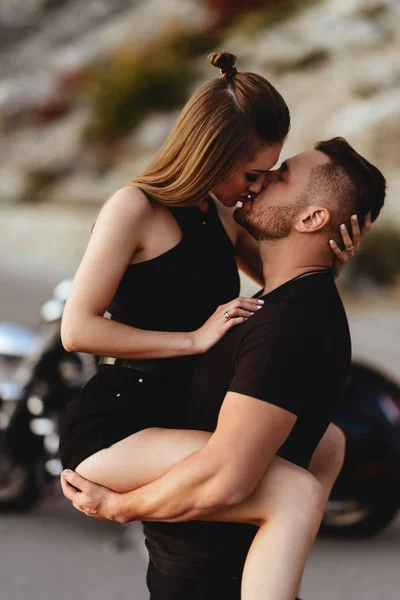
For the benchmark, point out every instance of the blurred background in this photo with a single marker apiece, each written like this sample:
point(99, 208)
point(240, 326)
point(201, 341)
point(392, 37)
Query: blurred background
point(88, 92)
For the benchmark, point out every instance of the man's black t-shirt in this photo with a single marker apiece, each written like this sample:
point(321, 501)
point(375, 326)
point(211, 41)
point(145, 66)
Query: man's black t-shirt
point(294, 353)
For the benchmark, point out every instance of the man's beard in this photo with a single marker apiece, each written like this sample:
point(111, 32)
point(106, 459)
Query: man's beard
point(268, 222)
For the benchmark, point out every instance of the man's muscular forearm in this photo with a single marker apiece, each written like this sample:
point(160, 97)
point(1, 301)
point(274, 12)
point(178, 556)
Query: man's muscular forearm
point(194, 488)
point(191, 490)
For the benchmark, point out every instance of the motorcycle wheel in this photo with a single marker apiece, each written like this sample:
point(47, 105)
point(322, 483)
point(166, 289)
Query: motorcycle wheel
point(358, 518)
point(19, 485)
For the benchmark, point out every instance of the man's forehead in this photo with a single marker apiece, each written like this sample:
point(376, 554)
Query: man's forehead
point(307, 160)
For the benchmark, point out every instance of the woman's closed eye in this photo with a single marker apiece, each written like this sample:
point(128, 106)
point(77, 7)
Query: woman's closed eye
point(251, 177)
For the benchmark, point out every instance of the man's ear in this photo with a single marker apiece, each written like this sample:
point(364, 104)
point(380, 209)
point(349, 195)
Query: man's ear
point(313, 218)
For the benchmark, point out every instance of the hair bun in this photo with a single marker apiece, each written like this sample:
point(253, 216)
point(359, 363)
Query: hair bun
point(222, 60)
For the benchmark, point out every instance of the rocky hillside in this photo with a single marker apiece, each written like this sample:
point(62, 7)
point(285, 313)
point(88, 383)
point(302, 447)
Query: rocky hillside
point(336, 62)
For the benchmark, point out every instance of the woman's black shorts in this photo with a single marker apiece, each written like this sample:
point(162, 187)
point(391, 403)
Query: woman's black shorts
point(115, 403)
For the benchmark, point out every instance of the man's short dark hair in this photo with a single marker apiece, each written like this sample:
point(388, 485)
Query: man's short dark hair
point(356, 186)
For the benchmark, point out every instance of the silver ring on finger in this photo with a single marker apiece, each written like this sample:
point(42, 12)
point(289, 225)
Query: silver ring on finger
point(227, 315)
point(350, 249)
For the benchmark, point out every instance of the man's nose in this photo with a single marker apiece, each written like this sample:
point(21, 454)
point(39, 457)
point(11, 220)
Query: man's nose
point(266, 180)
point(270, 177)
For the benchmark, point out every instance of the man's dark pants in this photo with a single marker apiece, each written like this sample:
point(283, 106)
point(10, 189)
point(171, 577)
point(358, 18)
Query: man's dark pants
point(212, 587)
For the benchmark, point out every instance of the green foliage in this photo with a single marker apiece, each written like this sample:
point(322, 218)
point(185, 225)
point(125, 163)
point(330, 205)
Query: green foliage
point(251, 23)
point(136, 82)
point(312, 59)
point(190, 44)
point(226, 11)
point(378, 258)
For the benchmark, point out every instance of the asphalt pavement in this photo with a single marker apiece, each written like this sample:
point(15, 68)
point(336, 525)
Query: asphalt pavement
point(57, 553)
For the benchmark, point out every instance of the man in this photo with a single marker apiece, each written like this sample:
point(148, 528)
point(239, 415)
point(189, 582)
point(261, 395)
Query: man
point(269, 387)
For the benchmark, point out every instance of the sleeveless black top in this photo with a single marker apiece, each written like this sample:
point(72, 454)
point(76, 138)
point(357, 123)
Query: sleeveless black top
point(180, 289)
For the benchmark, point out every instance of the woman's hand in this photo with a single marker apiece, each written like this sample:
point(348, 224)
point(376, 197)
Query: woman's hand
point(351, 244)
point(225, 317)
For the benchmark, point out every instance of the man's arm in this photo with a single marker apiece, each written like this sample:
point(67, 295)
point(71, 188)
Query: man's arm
point(224, 473)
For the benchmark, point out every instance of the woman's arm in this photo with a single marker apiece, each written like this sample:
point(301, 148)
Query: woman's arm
point(117, 236)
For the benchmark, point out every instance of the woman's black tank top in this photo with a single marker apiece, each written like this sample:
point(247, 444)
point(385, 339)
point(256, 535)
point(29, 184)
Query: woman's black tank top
point(180, 289)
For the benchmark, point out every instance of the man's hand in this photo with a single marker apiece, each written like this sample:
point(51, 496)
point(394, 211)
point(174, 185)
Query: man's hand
point(351, 244)
point(90, 498)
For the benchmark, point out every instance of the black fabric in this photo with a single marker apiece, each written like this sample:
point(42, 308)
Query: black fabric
point(295, 353)
point(164, 368)
point(216, 586)
point(116, 403)
point(180, 289)
point(176, 291)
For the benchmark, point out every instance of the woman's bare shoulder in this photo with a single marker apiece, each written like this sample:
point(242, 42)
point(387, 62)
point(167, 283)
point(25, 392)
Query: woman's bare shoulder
point(129, 202)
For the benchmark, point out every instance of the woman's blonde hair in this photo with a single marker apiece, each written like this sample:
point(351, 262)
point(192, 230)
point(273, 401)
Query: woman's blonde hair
point(218, 131)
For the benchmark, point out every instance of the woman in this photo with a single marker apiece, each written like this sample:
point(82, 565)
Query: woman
point(167, 256)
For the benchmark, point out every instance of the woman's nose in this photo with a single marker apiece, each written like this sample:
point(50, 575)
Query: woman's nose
point(255, 187)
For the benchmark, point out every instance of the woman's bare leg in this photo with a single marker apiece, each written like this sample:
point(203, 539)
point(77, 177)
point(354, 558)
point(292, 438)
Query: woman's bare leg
point(325, 466)
point(328, 458)
point(286, 505)
point(327, 461)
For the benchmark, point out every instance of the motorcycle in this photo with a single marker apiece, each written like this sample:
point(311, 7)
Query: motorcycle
point(32, 403)
point(366, 496)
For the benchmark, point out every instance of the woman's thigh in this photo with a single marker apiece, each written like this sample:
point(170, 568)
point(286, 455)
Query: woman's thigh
point(141, 457)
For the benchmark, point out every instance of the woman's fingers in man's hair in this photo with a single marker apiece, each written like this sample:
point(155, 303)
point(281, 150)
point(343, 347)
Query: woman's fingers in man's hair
point(355, 232)
point(351, 244)
point(341, 255)
point(347, 241)
point(367, 226)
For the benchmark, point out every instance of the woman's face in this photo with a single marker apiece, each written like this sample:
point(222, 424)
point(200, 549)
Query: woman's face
point(250, 178)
